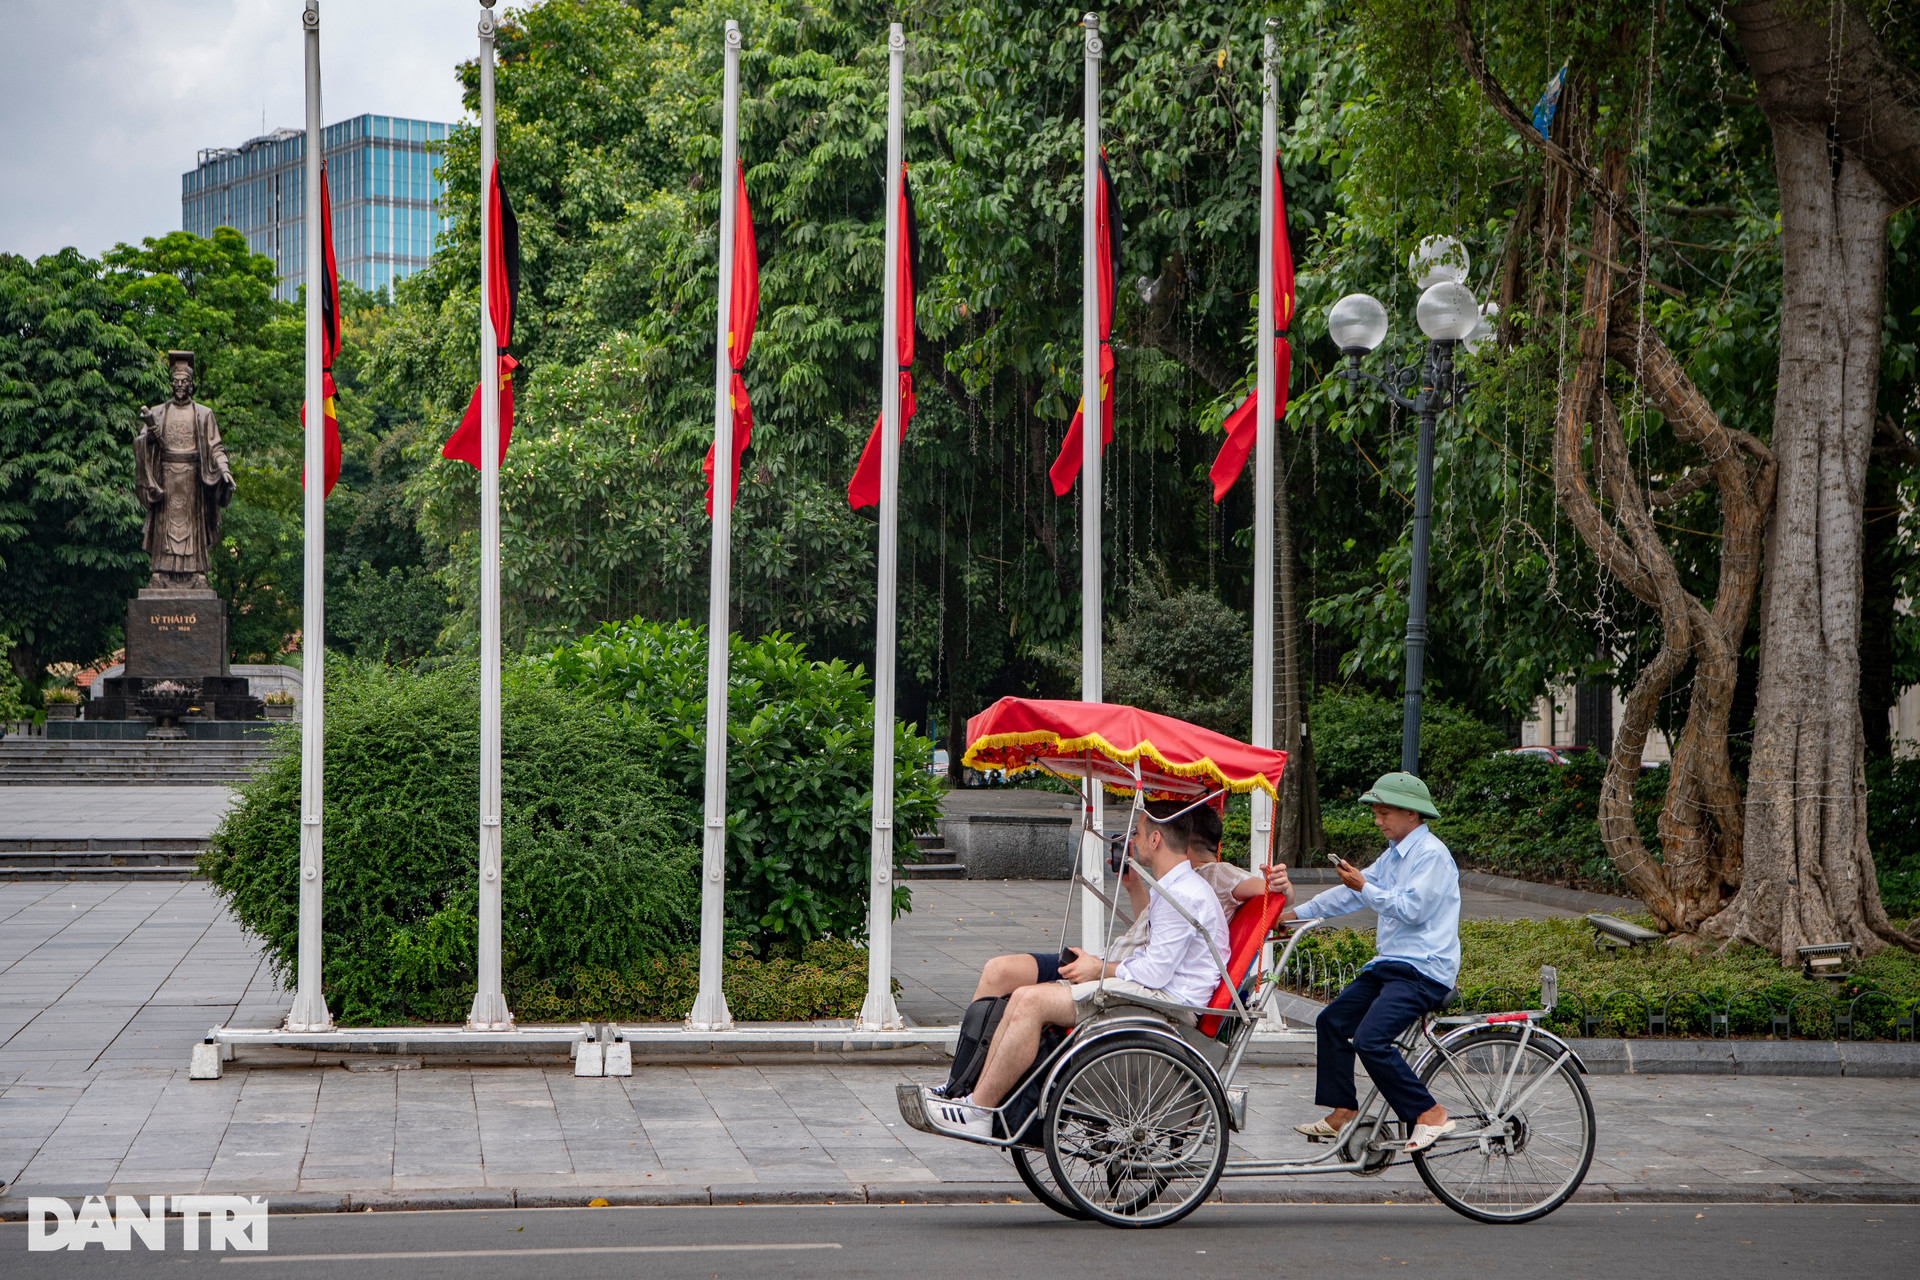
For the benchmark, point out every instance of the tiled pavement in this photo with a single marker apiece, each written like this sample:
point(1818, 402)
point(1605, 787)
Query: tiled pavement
point(111, 813)
point(103, 986)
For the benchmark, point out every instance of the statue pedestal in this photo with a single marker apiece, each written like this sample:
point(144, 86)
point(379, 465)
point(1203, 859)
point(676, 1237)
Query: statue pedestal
point(176, 631)
point(176, 665)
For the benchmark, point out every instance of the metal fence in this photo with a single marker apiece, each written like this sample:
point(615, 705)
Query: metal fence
point(1870, 1015)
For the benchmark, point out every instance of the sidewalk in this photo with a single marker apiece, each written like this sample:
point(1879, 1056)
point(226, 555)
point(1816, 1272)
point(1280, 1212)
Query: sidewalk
point(103, 987)
point(449, 1136)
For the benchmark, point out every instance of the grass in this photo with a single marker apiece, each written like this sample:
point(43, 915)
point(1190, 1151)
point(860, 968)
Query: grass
point(1500, 963)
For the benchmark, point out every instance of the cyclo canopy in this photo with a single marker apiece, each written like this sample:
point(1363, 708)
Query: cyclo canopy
point(1107, 742)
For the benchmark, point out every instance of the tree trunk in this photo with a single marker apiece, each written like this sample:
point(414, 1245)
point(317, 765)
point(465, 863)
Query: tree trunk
point(1877, 694)
point(1809, 875)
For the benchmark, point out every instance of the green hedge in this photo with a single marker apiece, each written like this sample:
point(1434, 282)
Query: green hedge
point(1500, 965)
point(600, 863)
point(799, 770)
point(1356, 738)
point(828, 980)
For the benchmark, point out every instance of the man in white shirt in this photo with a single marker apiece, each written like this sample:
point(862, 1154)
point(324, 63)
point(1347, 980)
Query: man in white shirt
point(1179, 963)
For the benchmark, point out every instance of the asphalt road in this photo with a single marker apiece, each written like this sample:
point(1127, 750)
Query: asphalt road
point(999, 1242)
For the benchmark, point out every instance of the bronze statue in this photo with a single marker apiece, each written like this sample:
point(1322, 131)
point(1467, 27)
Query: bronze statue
point(181, 477)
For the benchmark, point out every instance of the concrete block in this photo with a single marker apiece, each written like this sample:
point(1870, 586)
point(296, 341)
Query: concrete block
point(1013, 846)
point(616, 1197)
point(1868, 1058)
point(619, 1058)
point(1682, 1057)
point(1604, 1057)
point(590, 1059)
point(205, 1063)
point(418, 1201)
point(788, 1193)
point(383, 1062)
point(1787, 1057)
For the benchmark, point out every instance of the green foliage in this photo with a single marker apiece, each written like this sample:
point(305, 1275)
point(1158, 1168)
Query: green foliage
point(828, 980)
point(396, 616)
point(799, 769)
point(599, 855)
point(73, 373)
point(1893, 832)
point(1182, 654)
point(1500, 967)
point(1356, 738)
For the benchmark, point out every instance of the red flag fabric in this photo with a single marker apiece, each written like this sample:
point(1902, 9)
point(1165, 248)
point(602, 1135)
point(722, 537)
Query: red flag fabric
point(864, 489)
point(1243, 427)
point(1107, 229)
point(503, 290)
point(1240, 424)
point(743, 308)
point(329, 343)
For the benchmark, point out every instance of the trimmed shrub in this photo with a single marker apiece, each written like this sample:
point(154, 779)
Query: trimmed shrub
point(1893, 832)
point(829, 980)
point(799, 770)
point(600, 868)
point(1356, 738)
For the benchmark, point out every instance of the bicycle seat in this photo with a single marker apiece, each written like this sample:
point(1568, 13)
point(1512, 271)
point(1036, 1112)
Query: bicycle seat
point(1452, 997)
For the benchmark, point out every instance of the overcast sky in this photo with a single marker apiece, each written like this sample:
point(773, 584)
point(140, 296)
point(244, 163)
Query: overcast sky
point(104, 103)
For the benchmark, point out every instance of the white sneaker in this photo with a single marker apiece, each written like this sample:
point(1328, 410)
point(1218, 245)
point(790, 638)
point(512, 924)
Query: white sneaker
point(961, 1114)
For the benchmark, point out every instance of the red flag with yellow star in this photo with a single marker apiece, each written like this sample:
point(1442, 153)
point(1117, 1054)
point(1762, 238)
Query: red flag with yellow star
point(743, 308)
point(1241, 424)
point(1106, 228)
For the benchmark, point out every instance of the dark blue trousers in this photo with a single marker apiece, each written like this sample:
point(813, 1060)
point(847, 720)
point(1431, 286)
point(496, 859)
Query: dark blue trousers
point(1366, 1019)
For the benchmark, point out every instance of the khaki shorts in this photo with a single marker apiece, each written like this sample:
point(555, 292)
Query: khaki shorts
point(1085, 1006)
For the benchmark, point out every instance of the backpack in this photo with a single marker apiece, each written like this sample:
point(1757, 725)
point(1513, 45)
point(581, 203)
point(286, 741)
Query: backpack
point(977, 1026)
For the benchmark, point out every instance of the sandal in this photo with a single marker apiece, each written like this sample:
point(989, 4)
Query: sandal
point(1425, 1135)
point(1318, 1130)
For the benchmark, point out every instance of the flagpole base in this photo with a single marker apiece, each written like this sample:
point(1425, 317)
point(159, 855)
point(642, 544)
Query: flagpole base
point(879, 1013)
point(489, 1013)
point(710, 1013)
point(309, 1013)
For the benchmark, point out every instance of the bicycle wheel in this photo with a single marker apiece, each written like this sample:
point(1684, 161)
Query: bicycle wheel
point(1534, 1157)
point(1033, 1169)
point(1136, 1132)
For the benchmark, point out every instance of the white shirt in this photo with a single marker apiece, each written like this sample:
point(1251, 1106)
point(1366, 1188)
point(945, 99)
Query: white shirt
point(1224, 878)
point(1415, 889)
point(1176, 959)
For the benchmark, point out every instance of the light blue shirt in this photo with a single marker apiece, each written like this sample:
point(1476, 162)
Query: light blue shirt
point(1415, 890)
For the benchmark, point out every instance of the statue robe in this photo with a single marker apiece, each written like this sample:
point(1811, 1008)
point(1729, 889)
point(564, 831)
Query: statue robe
point(183, 484)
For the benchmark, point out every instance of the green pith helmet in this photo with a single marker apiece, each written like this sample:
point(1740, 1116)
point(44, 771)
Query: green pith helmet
point(1404, 791)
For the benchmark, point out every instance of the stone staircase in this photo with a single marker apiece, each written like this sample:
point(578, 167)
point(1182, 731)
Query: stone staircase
point(44, 762)
point(139, 860)
point(937, 862)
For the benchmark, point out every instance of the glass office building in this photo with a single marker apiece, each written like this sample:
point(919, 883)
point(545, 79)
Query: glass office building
point(385, 187)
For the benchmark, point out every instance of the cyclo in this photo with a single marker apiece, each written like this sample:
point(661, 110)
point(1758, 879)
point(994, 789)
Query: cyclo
point(1125, 1118)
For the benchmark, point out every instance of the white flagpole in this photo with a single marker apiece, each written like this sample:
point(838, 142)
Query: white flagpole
point(710, 1005)
point(1263, 470)
point(1093, 925)
point(489, 1011)
point(309, 1012)
point(878, 1012)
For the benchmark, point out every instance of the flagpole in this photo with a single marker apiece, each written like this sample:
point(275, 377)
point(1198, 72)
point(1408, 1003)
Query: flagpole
point(489, 1011)
point(1092, 427)
point(710, 1005)
point(309, 1011)
point(878, 1012)
point(1261, 853)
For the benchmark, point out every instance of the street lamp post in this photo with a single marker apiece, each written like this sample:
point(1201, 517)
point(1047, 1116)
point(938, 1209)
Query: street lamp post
point(1448, 315)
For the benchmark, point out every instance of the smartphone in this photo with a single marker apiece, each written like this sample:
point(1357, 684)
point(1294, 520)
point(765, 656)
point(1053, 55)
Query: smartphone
point(1337, 860)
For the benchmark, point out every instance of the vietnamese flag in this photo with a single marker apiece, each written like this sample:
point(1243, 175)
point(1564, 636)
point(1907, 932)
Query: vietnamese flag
point(503, 290)
point(1241, 424)
point(1107, 229)
point(329, 341)
point(864, 489)
point(742, 309)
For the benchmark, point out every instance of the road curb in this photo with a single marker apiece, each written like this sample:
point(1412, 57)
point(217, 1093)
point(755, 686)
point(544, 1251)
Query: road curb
point(1299, 1192)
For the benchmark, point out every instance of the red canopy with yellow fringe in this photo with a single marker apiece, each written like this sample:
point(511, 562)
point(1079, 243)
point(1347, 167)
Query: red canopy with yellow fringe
point(1104, 741)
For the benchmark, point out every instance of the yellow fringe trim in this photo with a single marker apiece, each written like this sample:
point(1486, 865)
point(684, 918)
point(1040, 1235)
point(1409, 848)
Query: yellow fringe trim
point(1203, 767)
